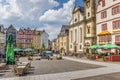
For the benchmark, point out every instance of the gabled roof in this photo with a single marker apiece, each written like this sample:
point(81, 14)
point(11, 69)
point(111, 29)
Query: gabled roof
point(64, 27)
point(11, 27)
point(38, 32)
point(78, 8)
point(44, 32)
point(64, 30)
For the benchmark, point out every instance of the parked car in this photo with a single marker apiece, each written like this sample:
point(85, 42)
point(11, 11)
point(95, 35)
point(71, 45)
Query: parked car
point(46, 55)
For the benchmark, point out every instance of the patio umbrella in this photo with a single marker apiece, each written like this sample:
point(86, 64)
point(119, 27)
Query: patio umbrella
point(28, 49)
point(17, 49)
point(109, 46)
point(94, 46)
point(9, 50)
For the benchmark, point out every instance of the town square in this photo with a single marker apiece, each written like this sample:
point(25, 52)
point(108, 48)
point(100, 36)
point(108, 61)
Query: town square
point(59, 39)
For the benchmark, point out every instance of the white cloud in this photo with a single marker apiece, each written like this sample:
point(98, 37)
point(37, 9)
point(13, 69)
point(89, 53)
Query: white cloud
point(3, 12)
point(33, 13)
point(52, 30)
point(61, 15)
point(28, 9)
point(9, 9)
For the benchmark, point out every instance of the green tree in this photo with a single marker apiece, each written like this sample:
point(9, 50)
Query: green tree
point(43, 47)
point(20, 46)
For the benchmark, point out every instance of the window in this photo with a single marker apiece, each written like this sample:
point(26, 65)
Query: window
point(80, 35)
point(75, 34)
point(103, 14)
point(116, 24)
point(70, 46)
point(115, 10)
point(103, 3)
point(61, 44)
point(80, 47)
point(117, 38)
point(64, 43)
point(75, 20)
point(88, 30)
point(88, 14)
point(105, 38)
point(71, 36)
point(104, 27)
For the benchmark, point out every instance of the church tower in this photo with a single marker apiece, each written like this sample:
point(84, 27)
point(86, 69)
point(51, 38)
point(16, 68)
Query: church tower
point(90, 27)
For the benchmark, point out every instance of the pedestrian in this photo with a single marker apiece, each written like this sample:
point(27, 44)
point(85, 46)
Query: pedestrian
point(65, 52)
point(61, 55)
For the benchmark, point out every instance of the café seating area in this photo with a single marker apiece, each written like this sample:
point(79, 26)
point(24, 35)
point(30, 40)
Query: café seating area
point(21, 68)
point(3, 66)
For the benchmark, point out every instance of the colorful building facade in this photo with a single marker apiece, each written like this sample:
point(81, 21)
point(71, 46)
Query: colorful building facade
point(36, 40)
point(63, 39)
point(108, 22)
point(24, 38)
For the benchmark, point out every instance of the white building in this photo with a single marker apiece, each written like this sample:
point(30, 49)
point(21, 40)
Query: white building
point(44, 39)
point(82, 31)
point(108, 21)
point(76, 30)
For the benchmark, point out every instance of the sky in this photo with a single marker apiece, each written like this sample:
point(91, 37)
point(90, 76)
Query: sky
point(49, 15)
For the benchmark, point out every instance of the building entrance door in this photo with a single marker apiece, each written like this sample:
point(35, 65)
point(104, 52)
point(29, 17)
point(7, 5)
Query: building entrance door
point(75, 49)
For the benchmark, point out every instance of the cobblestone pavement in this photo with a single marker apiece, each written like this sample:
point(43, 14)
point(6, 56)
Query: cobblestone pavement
point(81, 69)
point(113, 76)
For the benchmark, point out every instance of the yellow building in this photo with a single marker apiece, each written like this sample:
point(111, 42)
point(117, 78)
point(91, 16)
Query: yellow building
point(63, 39)
point(36, 40)
point(53, 44)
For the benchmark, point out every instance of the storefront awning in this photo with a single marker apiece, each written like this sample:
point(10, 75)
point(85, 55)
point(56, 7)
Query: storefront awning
point(104, 33)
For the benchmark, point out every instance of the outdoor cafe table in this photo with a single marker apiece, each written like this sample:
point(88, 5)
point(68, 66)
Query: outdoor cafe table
point(23, 64)
point(20, 70)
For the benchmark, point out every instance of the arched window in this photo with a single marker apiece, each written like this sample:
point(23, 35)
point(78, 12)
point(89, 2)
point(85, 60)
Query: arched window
point(88, 29)
point(88, 14)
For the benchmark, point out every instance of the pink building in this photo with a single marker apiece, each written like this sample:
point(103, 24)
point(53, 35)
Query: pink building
point(24, 37)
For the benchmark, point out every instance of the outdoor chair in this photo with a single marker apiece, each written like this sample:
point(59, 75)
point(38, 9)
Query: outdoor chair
point(29, 64)
point(20, 71)
point(15, 69)
point(26, 70)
